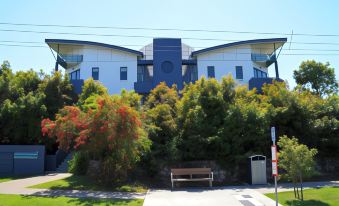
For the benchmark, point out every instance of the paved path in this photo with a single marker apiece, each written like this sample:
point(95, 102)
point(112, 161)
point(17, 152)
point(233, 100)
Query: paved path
point(211, 197)
point(19, 186)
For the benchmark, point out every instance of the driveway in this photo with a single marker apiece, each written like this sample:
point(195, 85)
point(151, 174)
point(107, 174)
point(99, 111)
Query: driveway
point(231, 196)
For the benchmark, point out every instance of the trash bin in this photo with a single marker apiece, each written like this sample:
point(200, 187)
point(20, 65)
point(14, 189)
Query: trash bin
point(257, 171)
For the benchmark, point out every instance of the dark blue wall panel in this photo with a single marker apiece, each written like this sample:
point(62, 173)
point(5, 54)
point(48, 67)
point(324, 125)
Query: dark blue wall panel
point(25, 159)
point(167, 62)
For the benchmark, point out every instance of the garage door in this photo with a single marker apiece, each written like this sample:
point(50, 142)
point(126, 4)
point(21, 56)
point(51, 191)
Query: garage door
point(6, 162)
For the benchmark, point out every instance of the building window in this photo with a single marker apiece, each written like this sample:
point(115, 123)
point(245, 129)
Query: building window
point(239, 72)
point(75, 75)
point(210, 72)
point(259, 74)
point(95, 73)
point(123, 73)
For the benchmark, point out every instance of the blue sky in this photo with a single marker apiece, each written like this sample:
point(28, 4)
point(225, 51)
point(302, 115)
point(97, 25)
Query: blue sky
point(315, 17)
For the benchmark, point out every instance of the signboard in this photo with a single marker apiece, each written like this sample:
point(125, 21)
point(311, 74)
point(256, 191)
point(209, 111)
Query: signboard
point(273, 134)
point(274, 153)
point(274, 168)
point(274, 161)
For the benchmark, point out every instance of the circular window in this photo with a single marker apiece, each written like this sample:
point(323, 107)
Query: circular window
point(167, 67)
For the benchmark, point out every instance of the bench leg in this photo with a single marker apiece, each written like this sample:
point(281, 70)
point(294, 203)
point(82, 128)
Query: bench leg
point(172, 185)
point(210, 183)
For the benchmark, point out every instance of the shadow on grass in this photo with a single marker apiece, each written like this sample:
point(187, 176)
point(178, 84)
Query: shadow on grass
point(306, 203)
point(90, 201)
point(85, 183)
point(106, 202)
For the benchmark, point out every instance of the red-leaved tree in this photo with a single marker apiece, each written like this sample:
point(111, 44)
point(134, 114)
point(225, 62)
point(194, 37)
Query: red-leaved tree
point(111, 133)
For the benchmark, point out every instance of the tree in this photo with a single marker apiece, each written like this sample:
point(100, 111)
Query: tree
point(90, 88)
point(25, 99)
point(160, 110)
point(317, 77)
point(297, 160)
point(201, 114)
point(112, 134)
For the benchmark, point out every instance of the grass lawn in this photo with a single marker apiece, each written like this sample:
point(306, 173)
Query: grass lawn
point(6, 179)
point(326, 196)
point(22, 200)
point(84, 183)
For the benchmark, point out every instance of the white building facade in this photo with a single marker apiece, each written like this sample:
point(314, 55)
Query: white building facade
point(166, 59)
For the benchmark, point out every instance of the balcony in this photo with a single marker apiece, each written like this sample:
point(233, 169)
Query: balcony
point(143, 87)
point(258, 83)
point(263, 59)
point(72, 60)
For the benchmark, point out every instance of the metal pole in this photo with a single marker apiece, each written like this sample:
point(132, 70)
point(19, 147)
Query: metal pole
point(276, 191)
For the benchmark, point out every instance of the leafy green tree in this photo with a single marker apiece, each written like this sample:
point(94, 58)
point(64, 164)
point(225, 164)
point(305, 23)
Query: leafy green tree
point(317, 77)
point(27, 97)
point(58, 92)
point(160, 110)
point(201, 113)
point(91, 88)
point(297, 160)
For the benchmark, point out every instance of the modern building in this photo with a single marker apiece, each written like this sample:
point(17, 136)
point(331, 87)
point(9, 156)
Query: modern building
point(168, 60)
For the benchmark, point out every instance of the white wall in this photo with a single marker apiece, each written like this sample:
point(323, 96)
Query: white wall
point(109, 62)
point(225, 61)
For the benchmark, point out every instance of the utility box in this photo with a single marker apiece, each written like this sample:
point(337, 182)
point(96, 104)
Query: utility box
point(257, 168)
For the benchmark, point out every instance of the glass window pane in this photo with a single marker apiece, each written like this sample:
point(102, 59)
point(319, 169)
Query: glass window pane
point(123, 73)
point(239, 72)
point(210, 72)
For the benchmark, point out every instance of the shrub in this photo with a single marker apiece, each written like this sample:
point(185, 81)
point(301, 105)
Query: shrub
point(112, 133)
point(79, 163)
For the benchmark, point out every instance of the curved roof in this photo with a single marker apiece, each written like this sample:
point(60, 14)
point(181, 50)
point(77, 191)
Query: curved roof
point(91, 43)
point(253, 41)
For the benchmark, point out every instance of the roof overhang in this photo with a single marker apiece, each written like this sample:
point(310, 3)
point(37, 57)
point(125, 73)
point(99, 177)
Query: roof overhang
point(270, 45)
point(53, 43)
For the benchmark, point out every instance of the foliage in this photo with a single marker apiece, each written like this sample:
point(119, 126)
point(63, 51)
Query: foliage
point(297, 160)
point(160, 109)
point(79, 163)
point(25, 99)
point(112, 134)
point(317, 77)
point(91, 88)
point(201, 113)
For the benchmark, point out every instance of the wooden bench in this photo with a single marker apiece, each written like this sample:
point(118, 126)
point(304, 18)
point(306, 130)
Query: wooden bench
point(191, 174)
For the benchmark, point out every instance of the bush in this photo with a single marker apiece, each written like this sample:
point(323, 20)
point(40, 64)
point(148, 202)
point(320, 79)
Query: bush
point(79, 164)
point(111, 132)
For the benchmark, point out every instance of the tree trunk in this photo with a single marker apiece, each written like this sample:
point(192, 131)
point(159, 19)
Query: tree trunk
point(298, 193)
point(301, 186)
point(295, 192)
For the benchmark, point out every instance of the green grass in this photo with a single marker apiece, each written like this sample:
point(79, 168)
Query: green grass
point(84, 183)
point(6, 179)
point(326, 196)
point(22, 200)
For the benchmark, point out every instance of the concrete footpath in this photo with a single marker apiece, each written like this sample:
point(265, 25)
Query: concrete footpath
point(211, 197)
point(19, 187)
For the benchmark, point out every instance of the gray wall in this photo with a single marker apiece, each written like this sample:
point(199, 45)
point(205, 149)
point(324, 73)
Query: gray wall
point(22, 159)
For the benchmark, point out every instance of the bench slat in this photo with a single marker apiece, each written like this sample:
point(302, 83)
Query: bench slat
point(189, 171)
point(189, 180)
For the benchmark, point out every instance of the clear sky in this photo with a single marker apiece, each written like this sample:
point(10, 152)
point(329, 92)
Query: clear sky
point(301, 16)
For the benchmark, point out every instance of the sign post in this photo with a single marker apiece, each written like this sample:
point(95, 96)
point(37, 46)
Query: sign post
point(274, 163)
